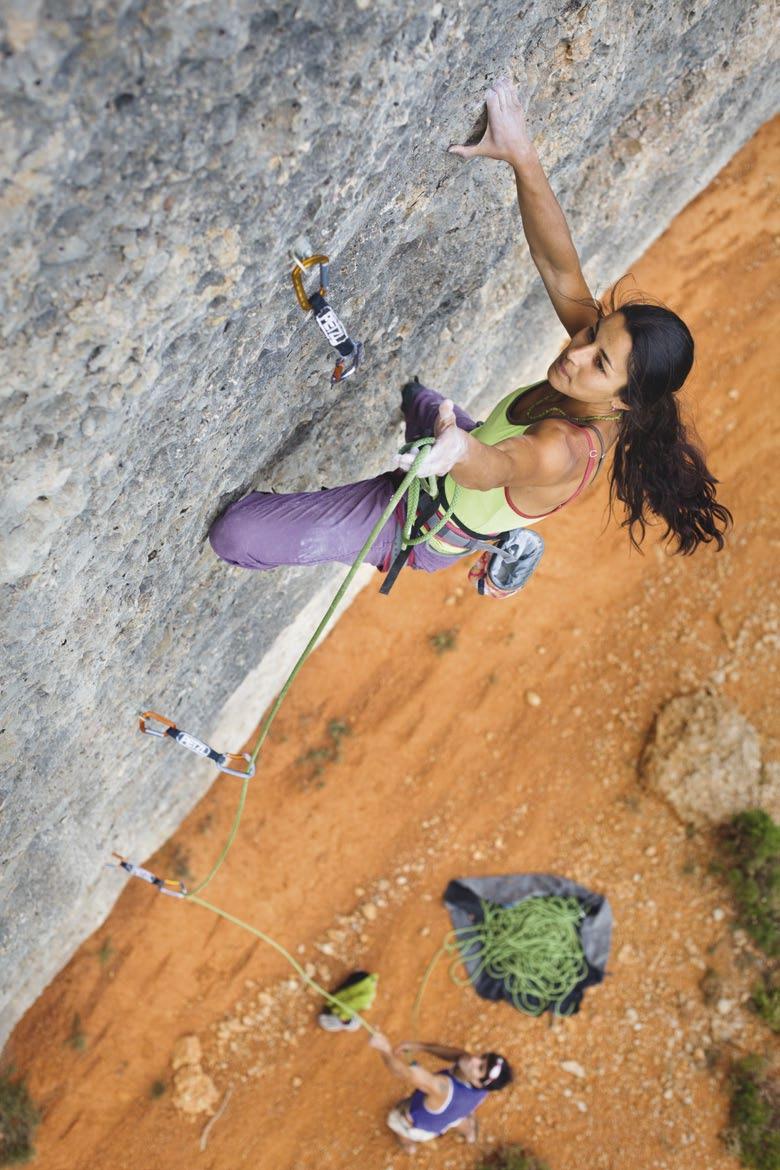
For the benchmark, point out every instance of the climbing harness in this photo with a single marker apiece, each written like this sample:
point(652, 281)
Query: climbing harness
point(227, 762)
point(350, 352)
point(416, 530)
point(533, 948)
point(173, 889)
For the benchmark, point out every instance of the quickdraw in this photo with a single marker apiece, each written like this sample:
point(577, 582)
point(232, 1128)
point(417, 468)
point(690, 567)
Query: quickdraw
point(350, 352)
point(173, 889)
point(229, 762)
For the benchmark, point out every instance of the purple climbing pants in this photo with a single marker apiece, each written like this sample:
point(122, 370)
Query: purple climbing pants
point(264, 530)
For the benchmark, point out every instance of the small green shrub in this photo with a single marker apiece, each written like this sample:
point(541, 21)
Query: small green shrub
point(106, 952)
point(751, 862)
point(765, 1001)
point(77, 1038)
point(18, 1120)
point(177, 861)
point(511, 1158)
point(443, 641)
point(157, 1089)
point(754, 1118)
point(317, 758)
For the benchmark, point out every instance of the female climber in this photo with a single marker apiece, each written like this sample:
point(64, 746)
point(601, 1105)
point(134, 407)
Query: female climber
point(614, 386)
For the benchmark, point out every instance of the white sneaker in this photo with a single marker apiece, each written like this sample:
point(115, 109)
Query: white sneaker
point(331, 1023)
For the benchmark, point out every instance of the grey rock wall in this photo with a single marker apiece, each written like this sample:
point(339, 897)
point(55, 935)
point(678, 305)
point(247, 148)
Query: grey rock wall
point(160, 161)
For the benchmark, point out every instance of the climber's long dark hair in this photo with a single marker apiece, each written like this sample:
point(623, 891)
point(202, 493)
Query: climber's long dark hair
point(656, 468)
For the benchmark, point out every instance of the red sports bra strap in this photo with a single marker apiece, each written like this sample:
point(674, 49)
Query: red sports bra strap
point(594, 456)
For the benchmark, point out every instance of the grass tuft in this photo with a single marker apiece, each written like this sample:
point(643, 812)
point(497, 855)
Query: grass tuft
point(443, 641)
point(765, 1000)
point(105, 952)
point(18, 1120)
point(754, 1118)
point(511, 1158)
point(77, 1038)
point(750, 847)
point(316, 759)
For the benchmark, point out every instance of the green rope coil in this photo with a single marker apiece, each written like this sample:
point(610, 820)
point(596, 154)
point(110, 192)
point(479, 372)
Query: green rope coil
point(533, 948)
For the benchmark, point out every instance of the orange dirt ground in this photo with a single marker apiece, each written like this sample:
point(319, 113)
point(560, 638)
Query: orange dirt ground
point(447, 769)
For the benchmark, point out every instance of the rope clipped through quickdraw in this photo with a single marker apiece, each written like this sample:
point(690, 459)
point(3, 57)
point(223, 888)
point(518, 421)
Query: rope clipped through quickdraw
point(226, 762)
point(179, 890)
point(533, 948)
point(173, 889)
point(409, 484)
point(350, 352)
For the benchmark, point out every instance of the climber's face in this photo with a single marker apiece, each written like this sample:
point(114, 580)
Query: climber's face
point(594, 365)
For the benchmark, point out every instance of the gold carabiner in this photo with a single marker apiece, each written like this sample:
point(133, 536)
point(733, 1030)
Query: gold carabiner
point(297, 278)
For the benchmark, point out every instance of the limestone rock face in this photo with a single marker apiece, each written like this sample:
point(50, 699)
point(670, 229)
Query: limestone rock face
point(160, 166)
point(705, 759)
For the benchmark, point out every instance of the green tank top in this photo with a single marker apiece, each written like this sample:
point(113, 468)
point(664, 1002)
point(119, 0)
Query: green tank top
point(491, 512)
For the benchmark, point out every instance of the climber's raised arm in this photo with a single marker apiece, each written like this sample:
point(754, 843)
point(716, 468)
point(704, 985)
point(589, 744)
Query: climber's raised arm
point(549, 239)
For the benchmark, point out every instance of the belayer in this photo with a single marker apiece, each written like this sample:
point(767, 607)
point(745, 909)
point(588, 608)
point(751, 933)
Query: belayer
point(614, 386)
point(444, 1101)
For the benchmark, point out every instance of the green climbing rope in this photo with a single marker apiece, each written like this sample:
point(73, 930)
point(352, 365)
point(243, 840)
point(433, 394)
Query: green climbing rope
point(533, 948)
point(342, 1005)
point(410, 487)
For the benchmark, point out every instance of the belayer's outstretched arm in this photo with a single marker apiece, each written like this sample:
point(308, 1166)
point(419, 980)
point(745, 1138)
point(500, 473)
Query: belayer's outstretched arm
point(549, 239)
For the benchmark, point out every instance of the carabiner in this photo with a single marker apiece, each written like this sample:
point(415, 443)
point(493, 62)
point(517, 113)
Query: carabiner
point(172, 889)
point(227, 762)
point(297, 278)
point(350, 352)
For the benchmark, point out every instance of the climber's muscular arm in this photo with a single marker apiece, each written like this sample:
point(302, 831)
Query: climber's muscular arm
point(549, 239)
point(545, 456)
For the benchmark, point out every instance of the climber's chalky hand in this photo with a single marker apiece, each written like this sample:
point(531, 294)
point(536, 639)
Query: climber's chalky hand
point(450, 447)
point(506, 136)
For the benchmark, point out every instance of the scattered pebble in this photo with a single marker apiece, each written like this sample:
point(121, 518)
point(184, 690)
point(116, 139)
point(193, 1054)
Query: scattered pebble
point(186, 1051)
point(533, 699)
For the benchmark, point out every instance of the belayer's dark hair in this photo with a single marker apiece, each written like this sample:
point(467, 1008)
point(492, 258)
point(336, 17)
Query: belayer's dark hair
point(498, 1073)
point(656, 467)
